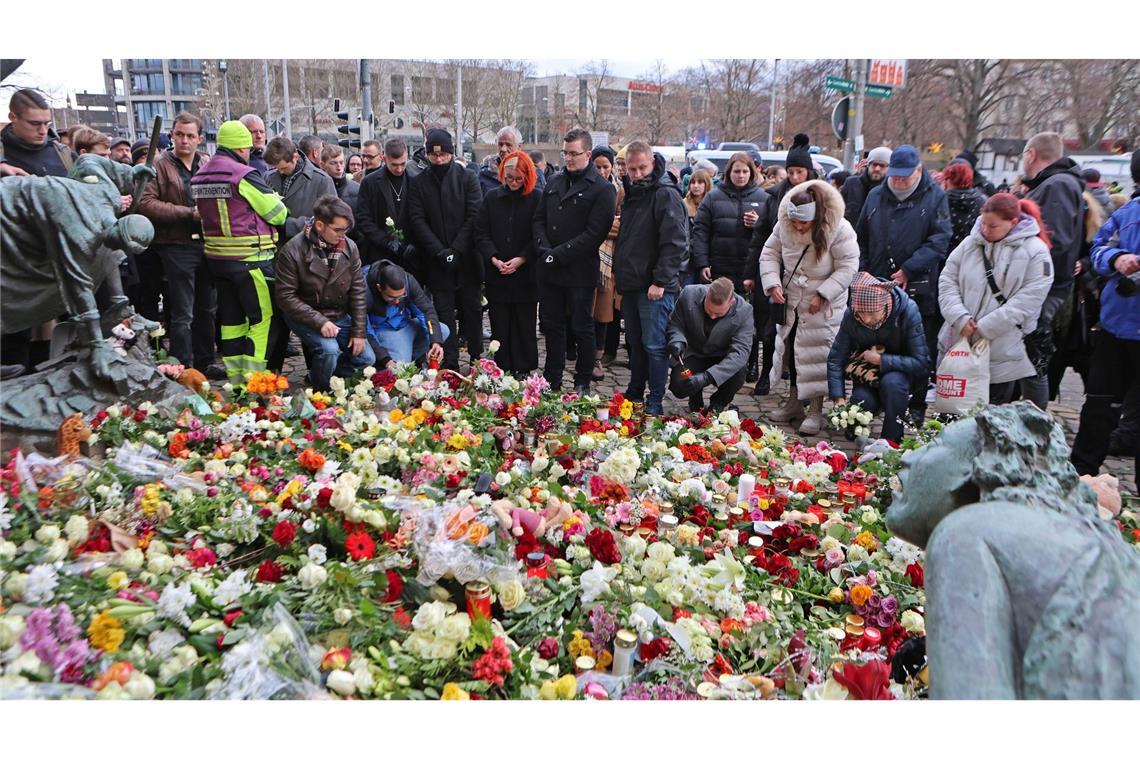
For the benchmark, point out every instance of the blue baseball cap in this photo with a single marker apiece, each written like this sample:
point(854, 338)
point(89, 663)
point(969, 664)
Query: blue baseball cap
point(904, 160)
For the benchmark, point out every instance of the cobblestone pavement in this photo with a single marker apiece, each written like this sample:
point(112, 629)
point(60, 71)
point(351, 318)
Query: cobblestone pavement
point(1066, 409)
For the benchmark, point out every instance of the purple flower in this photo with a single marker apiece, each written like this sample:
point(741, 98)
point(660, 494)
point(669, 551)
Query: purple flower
point(884, 619)
point(832, 558)
point(890, 606)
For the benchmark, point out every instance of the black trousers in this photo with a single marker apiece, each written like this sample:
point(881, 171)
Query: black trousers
point(191, 303)
point(470, 307)
point(553, 301)
point(1113, 372)
point(723, 394)
point(144, 296)
point(512, 324)
point(446, 308)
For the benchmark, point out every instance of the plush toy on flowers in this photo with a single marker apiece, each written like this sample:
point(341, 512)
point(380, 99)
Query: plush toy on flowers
point(519, 520)
point(852, 419)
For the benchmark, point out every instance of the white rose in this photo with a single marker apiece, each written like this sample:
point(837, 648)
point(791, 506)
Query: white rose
point(586, 442)
point(430, 615)
point(225, 550)
point(363, 680)
point(308, 526)
point(503, 478)
point(47, 533)
point(11, 628)
point(557, 470)
point(454, 628)
point(76, 529)
point(57, 551)
point(157, 547)
point(493, 346)
point(660, 551)
point(511, 595)
point(312, 576)
point(7, 549)
point(376, 519)
point(441, 649)
point(141, 686)
point(160, 564)
point(131, 559)
point(342, 615)
point(539, 464)
point(318, 553)
point(913, 623)
point(342, 682)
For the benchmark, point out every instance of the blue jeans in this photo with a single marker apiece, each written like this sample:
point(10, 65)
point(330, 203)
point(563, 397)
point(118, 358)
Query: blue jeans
point(646, 323)
point(891, 396)
point(409, 342)
point(329, 356)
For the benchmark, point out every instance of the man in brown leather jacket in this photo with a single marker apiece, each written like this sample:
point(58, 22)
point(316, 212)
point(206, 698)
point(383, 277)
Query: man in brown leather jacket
point(191, 300)
point(320, 292)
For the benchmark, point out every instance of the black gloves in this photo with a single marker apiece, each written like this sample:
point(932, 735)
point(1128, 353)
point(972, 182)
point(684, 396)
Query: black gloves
point(447, 258)
point(687, 386)
point(676, 353)
point(546, 256)
point(395, 247)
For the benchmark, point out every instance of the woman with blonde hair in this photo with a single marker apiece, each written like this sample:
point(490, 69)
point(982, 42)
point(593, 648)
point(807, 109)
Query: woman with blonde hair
point(806, 267)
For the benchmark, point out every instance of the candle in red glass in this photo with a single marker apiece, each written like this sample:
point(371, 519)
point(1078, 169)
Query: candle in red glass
point(478, 600)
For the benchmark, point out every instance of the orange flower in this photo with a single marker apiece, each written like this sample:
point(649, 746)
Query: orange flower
point(311, 460)
point(860, 595)
point(729, 625)
point(177, 447)
point(119, 671)
point(477, 532)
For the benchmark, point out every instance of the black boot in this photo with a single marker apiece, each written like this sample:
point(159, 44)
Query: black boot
point(762, 386)
point(752, 373)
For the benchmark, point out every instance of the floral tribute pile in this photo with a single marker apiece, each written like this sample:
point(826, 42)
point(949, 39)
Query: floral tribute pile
point(424, 535)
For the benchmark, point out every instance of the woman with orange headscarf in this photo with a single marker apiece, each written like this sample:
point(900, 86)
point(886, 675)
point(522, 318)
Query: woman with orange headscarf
point(504, 239)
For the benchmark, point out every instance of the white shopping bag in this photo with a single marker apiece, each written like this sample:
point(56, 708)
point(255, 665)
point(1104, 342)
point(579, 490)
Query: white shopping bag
point(963, 377)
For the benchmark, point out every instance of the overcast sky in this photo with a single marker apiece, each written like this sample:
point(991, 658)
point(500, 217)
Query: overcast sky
point(58, 75)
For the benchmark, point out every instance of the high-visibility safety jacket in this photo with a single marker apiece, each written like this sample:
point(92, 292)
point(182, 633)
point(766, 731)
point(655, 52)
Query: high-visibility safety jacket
point(239, 212)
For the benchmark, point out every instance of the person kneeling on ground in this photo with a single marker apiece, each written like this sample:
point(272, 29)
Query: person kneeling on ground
point(320, 291)
point(710, 335)
point(402, 320)
point(881, 346)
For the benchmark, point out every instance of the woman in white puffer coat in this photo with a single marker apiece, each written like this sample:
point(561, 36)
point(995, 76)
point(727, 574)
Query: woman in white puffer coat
point(1010, 239)
point(808, 264)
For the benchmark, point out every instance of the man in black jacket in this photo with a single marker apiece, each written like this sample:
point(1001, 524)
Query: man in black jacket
point(442, 205)
point(28, 144)
point(571, 223)
point(1056, 186)
point(383, 195)
point(648, 255)
point(710, 334)
point(856, 189)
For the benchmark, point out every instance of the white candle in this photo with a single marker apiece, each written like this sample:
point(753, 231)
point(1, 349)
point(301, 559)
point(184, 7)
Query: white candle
point(744, 488)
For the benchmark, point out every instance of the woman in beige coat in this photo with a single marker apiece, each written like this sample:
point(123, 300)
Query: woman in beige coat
point(808, 264)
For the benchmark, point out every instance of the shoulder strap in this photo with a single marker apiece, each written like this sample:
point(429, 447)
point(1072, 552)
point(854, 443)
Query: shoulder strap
point(785, 284)
point(64, 155)
point(1001, 299)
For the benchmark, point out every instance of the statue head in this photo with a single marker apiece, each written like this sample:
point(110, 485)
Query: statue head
point(131, 233)
point(1014, 452)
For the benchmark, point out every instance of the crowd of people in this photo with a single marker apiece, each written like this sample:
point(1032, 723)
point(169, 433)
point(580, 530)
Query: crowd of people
point(850, 286)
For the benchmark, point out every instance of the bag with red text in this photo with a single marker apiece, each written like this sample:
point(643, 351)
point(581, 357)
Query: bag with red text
point(963, 377)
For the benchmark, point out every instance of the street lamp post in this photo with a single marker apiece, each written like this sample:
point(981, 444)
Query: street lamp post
point(224, 68)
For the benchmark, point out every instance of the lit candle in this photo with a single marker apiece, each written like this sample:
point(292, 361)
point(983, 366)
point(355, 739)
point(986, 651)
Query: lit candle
point(744, 487)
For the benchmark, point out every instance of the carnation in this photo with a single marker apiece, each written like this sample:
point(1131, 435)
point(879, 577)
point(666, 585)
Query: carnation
point(176, 598)
point(41, 583)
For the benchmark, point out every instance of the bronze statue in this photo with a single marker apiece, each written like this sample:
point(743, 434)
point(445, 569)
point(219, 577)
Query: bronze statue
point(1030, 594)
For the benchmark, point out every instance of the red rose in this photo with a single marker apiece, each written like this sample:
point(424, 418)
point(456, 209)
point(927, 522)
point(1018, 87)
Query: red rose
point(679, 613)
point(231, 617)
point(360, 546)
point(548, 648)
point(270, 572)
point(803, 542)
point(203, 556)
point(324, 498)
point(395, 587)
point(402, 618)
point(601, 544)
point(654, 648)
point(868, 681)
point(284, 533)
point(837, 460)
point(916, 575)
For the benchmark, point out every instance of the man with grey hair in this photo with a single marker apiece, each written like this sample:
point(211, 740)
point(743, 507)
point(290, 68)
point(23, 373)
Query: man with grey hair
point(256, 128)
point(311, 145)
point(1055, 185)
point(509, 140)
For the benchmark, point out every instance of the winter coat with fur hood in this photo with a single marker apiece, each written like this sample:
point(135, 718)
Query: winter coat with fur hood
point(828, 273)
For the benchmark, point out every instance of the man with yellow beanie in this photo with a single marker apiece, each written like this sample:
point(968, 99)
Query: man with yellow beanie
point(240, 215)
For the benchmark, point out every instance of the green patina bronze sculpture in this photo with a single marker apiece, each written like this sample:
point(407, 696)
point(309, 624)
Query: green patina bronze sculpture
point(1030, 594)
point(61, 242)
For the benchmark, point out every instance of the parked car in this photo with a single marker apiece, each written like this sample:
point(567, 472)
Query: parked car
point(770, 158)
point(735, 146)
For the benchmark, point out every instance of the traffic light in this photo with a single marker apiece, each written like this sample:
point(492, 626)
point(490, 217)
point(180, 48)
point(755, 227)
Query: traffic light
point(391, 106)
point(348, 128)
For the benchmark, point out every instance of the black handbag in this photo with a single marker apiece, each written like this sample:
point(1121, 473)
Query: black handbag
point(779, 311)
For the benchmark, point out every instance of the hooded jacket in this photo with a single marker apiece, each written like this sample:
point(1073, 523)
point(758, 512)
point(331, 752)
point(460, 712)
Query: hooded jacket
point(1022, 271)
point(304, 192)
point(828, 273)
point(573, 217)
point(652, 245)
point(728, 340)
point(1119, 314)
point(416, 302)
point(441, 217)
point(911, 235)
point(720, 240)
point(1058, 190)
point(901, 335)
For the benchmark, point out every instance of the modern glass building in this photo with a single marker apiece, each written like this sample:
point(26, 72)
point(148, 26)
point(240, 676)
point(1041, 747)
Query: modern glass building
point(153, 86)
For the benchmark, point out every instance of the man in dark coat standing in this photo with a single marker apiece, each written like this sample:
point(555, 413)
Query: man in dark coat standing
point(571, 223)
point(856, 189)
point(648, 256)
point(904, 236)
point(383, 195)
point(442, 205)
point(1056, 186)
point(710, 336)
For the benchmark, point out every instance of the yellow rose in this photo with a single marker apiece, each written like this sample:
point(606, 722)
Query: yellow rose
point(860, 595)
point(836, 595)
point(566, 687)
point(451, 690)
point(395, 416)
point(547, 691)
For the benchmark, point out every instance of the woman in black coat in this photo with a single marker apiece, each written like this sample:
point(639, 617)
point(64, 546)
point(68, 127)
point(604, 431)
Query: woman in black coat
point(721, 235)
point(505, 243)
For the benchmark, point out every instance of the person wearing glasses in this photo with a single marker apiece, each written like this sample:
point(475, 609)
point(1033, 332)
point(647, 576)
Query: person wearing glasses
point(573, 218)
point(28, 147)
point(320, 292)
point(372, 154)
